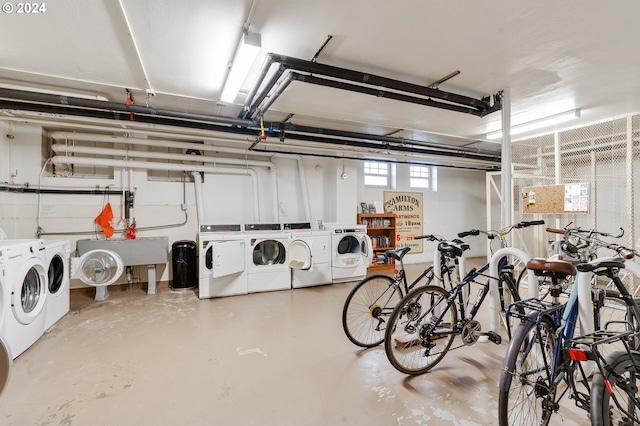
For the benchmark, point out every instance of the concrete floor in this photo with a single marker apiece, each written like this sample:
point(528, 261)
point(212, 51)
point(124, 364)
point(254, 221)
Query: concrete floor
point(278, 358)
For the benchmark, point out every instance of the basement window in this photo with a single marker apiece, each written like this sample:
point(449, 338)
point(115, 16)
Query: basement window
point(419, 176)
point(376, 173)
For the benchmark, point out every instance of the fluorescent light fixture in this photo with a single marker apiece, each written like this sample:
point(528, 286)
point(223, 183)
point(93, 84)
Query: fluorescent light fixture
point(538, 124)
point(246, 54)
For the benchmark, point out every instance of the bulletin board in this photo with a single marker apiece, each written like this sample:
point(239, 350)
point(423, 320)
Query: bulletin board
point(569, 198)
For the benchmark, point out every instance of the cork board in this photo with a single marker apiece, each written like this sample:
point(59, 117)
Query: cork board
point(569, 198)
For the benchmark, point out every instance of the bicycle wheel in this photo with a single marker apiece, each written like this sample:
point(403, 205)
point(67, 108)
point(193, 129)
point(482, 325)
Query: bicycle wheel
point(421, 330)
point(367, 307)
point(623, 406)
point(524, 381)
point(614, 317)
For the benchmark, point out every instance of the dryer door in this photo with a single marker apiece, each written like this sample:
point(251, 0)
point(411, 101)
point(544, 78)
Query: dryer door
point(299, 255)
point(6, 362)
point(28, 297)
point(97, 267)
point(225, 257)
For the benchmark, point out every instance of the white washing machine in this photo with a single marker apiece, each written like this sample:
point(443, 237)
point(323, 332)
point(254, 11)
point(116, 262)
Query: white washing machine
point(58, 254)
point(222, 264)
point(309, 255)
point(23, 293)
point(267, 257)
point(351, 251)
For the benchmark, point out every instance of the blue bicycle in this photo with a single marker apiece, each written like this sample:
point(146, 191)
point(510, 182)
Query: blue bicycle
point(537, 370)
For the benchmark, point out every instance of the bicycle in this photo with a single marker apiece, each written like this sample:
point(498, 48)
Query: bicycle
point(424, 324)
point(372, 300)
point(536, 361)
point(614, 389)
point(618, 372)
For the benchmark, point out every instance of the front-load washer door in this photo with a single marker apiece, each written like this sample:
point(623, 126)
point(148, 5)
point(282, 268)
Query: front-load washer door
point(6, 363)
point(56, 274)
point(269, 252)
point(28, 297)
point(300, 255)
point(97, 267)
point(224, 258)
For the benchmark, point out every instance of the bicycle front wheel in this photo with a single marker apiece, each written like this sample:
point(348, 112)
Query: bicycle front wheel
point(421, 330)
point(623, 406)
point(524, 381)
point(367, 309)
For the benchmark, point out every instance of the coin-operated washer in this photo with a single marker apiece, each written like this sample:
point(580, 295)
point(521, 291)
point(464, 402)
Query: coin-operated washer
point(98, 268)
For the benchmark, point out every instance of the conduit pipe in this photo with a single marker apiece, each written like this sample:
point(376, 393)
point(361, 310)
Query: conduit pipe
point(167, 156)
point(197, 185)
point(303, 182)
point(128, 153)
point(145, 165)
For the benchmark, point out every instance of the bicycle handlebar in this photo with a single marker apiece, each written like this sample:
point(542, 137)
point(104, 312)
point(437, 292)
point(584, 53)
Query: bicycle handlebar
point(429, 237)
point(587, 238)
point(492, 234)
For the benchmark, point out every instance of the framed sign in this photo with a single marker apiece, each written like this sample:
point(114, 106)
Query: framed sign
point(408, 209)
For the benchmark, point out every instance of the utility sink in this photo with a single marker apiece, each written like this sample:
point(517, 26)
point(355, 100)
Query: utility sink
point(141, 251)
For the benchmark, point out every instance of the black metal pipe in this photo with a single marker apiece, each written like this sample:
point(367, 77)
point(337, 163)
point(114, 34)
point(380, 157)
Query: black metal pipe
point(29, 190)
point(290, 127)
point(114, 107)
point(389, 147)
point(380, 94)
point(483, 106)
point(251, 110)
point(260, 78)
point(421, 163)
point(403, 145)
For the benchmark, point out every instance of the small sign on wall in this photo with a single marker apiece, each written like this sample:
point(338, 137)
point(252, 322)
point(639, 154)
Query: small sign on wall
point(408, 209)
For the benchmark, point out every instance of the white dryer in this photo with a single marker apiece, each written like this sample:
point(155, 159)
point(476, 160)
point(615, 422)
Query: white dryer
point(58, 255)
point(222, 264)
point(23, 293)
point(351, 251)
point(309, 255)
point(267, 257)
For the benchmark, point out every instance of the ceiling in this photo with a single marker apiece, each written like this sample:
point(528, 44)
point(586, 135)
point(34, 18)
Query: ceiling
point(551, 56)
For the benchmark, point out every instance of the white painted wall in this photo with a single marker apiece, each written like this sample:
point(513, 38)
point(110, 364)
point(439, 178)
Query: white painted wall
point(458, 204)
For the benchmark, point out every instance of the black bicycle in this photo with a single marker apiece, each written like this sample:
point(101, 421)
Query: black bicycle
point(371, 301)
point(424, 324)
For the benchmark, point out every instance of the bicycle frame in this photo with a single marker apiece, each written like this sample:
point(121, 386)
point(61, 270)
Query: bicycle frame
point(457, 294)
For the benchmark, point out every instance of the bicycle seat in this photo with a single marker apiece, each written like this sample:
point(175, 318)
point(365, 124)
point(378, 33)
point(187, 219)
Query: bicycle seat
point(612, 262)
point(551, 268)
point(398, 254)
point(452, 250)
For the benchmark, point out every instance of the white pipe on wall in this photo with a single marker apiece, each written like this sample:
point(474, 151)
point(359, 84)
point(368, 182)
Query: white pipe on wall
point(62, 148)
point(303, 182)
point(197, 184)
point(146, 165)
point(60, 135)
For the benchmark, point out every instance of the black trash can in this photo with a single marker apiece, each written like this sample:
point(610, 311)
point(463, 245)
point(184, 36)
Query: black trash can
point(185, 267)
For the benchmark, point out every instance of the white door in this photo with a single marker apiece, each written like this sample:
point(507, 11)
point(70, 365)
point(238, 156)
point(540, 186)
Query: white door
point(299, 255)
point(225, 257)
point(28, 297)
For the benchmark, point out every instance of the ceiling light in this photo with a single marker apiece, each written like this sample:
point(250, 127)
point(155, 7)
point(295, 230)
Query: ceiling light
point(538, 124)
point(245, 56)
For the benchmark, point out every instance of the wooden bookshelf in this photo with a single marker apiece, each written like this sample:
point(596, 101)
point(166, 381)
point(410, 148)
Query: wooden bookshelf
point(381, 228)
